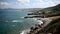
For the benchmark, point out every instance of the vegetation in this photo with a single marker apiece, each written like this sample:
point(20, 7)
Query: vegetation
point(52, 13)
point(54, 26)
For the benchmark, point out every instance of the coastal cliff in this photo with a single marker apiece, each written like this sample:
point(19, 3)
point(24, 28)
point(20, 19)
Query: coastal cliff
point(50, 18)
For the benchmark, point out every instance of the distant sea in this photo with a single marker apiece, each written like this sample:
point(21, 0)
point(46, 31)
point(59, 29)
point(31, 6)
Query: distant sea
point(13, 21)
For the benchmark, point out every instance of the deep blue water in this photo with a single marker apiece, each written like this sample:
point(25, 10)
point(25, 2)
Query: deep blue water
point(12, 21)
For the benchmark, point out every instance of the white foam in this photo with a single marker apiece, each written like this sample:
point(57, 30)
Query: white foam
point(24, 31)
point(17, 21)
point(14, 21)
point(40, 22)
point(21, 17)
point(35, 19)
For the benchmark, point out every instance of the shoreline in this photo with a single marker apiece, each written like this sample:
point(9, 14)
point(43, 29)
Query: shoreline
point(42, 19)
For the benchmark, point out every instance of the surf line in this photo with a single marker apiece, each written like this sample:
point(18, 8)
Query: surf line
point(35, 28)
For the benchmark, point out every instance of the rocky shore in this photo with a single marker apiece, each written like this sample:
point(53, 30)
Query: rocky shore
point(35, 29)
point(50, 21)
point(38, 27)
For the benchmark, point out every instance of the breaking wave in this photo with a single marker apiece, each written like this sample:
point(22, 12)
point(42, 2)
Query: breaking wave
point(24, 31)
point(21, 17)
point(27, 31)
point(17, 21)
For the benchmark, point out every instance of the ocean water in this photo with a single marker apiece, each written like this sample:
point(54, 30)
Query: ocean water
point(12, 21)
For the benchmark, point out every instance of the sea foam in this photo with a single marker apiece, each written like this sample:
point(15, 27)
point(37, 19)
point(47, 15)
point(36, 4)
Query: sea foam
point(25, 32)
point(17, 20)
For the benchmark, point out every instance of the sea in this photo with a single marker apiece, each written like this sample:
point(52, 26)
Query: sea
point(13, 21)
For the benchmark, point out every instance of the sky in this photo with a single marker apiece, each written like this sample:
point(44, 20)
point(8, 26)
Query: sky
point(18, 4)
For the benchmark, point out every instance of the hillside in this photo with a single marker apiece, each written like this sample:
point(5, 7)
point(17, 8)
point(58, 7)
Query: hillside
point(52, 13)
point(52, 10)
point(53, 27)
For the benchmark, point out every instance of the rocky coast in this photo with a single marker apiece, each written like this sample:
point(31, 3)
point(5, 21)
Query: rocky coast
point(50, 21)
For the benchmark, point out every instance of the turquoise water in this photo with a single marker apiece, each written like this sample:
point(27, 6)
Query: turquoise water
point(12, 21)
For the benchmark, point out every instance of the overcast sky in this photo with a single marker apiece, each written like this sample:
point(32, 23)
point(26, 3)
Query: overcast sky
point(28, 3)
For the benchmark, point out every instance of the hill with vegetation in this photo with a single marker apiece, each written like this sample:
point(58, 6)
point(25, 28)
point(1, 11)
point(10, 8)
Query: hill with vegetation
point(52, 13)
point(54, 26)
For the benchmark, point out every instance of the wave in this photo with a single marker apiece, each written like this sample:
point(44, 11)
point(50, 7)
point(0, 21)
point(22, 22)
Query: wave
point(17, 21)
point(25, 32)
point(22, 32)
point(34, 19)
point(21, 17)
point(40, 22)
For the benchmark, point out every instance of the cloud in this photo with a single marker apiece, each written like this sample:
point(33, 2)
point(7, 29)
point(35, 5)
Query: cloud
point(24, 1)
point(38, 3)
point(8, 5)
point(42, 3)
point(4, 3)
point(29, 3)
